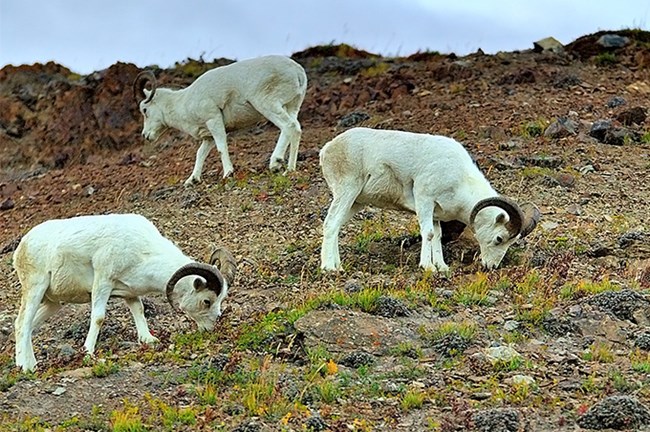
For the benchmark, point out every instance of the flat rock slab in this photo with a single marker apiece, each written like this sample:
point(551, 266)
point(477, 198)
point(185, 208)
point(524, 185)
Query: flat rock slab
point(343, 331)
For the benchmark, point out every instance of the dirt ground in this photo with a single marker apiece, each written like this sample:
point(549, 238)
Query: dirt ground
point(593, 194)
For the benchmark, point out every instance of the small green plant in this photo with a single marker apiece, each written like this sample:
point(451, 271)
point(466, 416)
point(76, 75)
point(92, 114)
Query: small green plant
point(371, 230)
point(207, 394)
point(534, 128)
point(365, 300)
point(375, 70)
point(465, 329)
point(328, 391)
point(533, 172)
point(645, 139)
point(412, 399)
point(587, 288)
point(510, 365)
point(407, 349)
point(104, 368)
point(589, 385)
point(475, 292)
point(280, 183)
point(621, 383)
point(127, 419)
point(599, 352)
point(640, 361)
point(605, 59)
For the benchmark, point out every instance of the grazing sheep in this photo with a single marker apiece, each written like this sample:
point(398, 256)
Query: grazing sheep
point(229, 98)
point(88, 259)
point(431, 176)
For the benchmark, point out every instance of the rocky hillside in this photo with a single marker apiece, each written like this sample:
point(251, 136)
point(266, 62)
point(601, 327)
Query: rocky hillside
point(557, 338)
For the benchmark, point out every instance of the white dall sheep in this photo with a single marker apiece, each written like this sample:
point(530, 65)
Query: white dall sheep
point(431, 176)
point(88, 259)
point(229, 98)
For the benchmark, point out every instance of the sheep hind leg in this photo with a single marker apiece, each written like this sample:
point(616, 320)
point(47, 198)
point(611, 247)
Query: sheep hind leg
point(31, 308)
point(101, 292)
point(290, 133)
point(341, 210)
point(137, 310)
point(431, 257)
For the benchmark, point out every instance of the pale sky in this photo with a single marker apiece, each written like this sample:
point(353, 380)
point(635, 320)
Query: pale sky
point(90, 35)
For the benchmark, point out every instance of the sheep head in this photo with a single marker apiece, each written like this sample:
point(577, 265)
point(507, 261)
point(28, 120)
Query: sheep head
point(497, 223)
point(202, 300)
point(153, 124)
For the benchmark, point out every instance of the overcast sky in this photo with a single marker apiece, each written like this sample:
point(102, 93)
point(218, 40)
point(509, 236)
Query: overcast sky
point(90, 35)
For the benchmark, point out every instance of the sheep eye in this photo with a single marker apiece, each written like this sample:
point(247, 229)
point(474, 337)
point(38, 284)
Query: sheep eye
point(498, 240)
point(144, 111)
point(207, 303)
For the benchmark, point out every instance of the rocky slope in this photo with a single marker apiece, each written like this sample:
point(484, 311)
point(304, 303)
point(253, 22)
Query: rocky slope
point(556, 339)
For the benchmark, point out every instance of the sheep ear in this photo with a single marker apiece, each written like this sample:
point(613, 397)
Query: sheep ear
point(146, 92)
point(501, 218)
point(199, 284)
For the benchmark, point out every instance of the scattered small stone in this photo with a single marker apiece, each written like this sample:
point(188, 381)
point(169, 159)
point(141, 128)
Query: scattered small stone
point(599, 250)
point(565, 179)
point(522, 76)
point(616, 101)
point(59, 391)
point(599, 129)
point(612, 41)
point(574, 209)
point(497, 420)
point(643, 341)
point(566, 82)
point(481, 396)
point(543, 161)
point(11, 246)
point(561, 128)
point(616, 412)
point(356, 359)
point(620, 136)
point(636, 115)
point(316, 423)
point(390, 307)
point(450, 345)
point(352, 286)
point(509, 145)
point(538, 260)
point(190, 198)
point(549, 225)
point(67, 351)
point(502, 353)
point(559, 326)
point(248, 426)
point(89, 190)
point(511, 325)
point(630, 237)
point(522, 379)
point(587, 169)
point(7, 204)
point(353, 118)
point(621, 304)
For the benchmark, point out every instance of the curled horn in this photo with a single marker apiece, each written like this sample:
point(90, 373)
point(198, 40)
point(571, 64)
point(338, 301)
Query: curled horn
point(225, 262)
point(515, 214)
point(213, 279)
point(532, 215)
point(140, 83)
